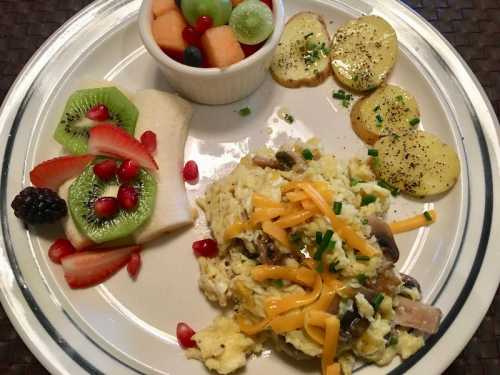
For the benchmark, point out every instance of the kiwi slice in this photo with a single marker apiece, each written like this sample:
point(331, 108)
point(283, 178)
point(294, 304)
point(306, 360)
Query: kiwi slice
point(88, 187)
point(73, 129)
point(252, 22)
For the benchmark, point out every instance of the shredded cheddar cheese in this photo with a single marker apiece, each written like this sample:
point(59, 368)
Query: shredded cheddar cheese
point(413, 222)
point(294, 219)
point(276, 232)
point(332, 329)
point(301, 275)
point(258, 200)
point(264, 214)
point(235, 229)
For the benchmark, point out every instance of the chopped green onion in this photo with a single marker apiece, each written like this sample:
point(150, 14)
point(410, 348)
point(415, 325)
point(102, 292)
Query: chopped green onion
point(244, 111)
point(372, 152)
point(364, 221)
point(377, 108)
point(307, 154)
point(331, 245)
point(377, 300)
point(393, 341)
point(308, 35)
point(340, 94)
point(337, 208)
point(362, 278)
point(414, 121)
point(362, 258)
point(354, 181)
point(319, 237)
point(399, 98)
point(394, 190)
point(346, 103)
point(289, 118)
point(379, 118)
point(318, 255)
point(427, 216)
point(278, 283)
point(368, 199)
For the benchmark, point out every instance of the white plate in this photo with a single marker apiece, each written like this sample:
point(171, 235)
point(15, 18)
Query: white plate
point(123, 327)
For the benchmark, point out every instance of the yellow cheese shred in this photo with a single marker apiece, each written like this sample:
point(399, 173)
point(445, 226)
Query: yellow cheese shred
point(332, 329)
point(333, 369)
point(261, 201)
point(293, 219)
point(302, 275)
point(339, 225)
point(412, 222)
point(264, 214)
point(249, 328)
point(233, 230)
point(275, 306)
point(276, 232)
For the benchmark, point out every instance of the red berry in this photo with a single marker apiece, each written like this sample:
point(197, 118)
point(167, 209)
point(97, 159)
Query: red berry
point(269, 3)
point(59, 249)
point(134, 265)
point(127, 197)
point(148, 140)
point(105, 170)
point(98, 113)
point(128, 170)
point(191, 36)
point(203, 23)
point(184, 336)
point(205, 248)
point(106, 207)
point(190, 171)
point(250, 49)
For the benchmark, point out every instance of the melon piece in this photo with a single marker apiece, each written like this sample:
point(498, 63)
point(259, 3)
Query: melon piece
point(161, 7)
point(221, 47)
point(167, 31)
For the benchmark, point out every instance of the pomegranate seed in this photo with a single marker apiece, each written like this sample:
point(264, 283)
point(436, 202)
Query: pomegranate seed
point(98, 113)
point(203, 23)
point(191, 36)
point(106, 207)
point(148, 140)
point(269, 3)
point(127, 197)
point(205, 248)
point(190, 171)
point(105, 170)
point(184, 336)
point(59, 249)
point(134, 265)
point(249, 49)
point(128, 170)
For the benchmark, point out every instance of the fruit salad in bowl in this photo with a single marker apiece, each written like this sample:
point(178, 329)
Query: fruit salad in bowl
point(212, 51)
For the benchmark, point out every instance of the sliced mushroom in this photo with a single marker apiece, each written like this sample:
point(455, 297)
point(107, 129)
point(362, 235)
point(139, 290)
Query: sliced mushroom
point(264, 162)
point(286, 159)
point(410, 282)
point(269, 252)
point(413, 314)
point(353, 325)
point(385, 238)
point(387, 281)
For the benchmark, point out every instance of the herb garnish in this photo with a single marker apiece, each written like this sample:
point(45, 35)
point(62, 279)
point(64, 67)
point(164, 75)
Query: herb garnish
point(278, 283)
point(245, 112)
point(427, 216)
point(288, 118)
point(379, 119)
point(362, 278)
point(307, 154)
point(377, 300)
point(325, 243)
point(362, 258)
point(394, 190)
point(372, 152)
point(337, 208)
point(368, 199)
point(345, 97)
point(414, 121)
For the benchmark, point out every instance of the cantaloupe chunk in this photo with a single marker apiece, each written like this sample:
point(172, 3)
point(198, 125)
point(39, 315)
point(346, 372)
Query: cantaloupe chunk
point(167, 31)
point(221, 47)
point(161, 7)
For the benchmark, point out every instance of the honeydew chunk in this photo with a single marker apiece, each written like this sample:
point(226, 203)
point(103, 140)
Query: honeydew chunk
point(168, 116)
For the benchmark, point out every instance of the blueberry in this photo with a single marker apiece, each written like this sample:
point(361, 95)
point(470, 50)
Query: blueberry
point(193, 56)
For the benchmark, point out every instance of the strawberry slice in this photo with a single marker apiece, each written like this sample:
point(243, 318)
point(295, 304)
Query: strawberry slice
point(52, 173)
point(87, 268)
point(110, 140)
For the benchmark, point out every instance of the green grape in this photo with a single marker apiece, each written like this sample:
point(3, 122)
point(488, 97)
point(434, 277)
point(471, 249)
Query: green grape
point(252, 22)
point(218, 10)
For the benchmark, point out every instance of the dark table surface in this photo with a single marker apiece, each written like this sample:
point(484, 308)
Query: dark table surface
point(472, 26)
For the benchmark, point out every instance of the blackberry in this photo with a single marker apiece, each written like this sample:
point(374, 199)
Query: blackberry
point(38, 206)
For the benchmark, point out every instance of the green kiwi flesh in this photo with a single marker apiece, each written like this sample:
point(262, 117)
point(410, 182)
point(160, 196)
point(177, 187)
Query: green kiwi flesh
point(88, 187)
point(122, 112)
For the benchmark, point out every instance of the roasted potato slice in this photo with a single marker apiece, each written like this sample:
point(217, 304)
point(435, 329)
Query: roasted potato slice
point(302, 56)
point(388, 110)
point(417, 163)
point(363, 53)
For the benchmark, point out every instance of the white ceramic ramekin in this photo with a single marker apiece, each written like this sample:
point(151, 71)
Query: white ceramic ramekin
point(214, 85)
